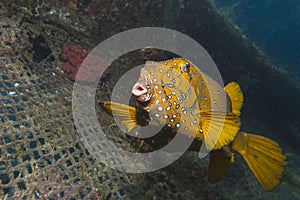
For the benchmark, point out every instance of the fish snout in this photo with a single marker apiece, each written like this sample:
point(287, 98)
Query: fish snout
point(138, 90)
point(141, 92)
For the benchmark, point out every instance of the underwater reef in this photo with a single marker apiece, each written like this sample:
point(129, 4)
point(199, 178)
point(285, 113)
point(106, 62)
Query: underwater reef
point(42, 156)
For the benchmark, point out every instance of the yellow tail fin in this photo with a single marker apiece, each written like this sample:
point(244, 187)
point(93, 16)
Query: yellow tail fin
point(125, 113)
point(263, 156)
point(236, 96)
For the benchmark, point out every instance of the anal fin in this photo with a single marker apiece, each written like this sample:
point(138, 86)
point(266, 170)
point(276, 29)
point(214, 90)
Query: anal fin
point(219, 163)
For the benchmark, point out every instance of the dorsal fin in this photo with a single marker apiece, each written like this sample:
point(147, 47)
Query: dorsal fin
point(236, 96)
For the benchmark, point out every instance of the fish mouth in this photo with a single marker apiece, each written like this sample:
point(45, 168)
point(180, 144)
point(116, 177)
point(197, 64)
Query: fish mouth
point(141, 92)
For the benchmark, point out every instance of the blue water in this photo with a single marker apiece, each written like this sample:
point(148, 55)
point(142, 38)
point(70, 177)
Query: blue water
point(274, 25)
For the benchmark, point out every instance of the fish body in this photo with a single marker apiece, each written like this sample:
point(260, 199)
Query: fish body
point(176, 94)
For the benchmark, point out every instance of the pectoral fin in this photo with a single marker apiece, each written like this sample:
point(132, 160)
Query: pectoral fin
point(219, 129)
point(125, 113)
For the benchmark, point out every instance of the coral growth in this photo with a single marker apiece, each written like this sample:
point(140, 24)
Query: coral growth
point(92, 68)
point(74, 54)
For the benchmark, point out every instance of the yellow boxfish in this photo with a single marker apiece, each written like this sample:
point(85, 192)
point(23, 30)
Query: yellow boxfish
point(178, 95)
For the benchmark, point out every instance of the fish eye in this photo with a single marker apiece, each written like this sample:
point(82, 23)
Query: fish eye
point(186, 67)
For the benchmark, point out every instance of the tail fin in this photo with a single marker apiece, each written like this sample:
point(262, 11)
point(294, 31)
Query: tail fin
point(236, 96)
point(125, 113)
point(263, 156)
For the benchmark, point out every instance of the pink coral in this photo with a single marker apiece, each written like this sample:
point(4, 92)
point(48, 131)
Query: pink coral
point(75, 55)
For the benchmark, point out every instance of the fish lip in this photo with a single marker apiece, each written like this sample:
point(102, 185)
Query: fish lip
point(142, 91)
point(138, 89)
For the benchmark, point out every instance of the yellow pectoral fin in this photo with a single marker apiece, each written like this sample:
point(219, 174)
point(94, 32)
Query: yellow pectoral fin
point(219, 128)
point(219, 163)
point(125, 113)
point(236, 96)
point(263, 156)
